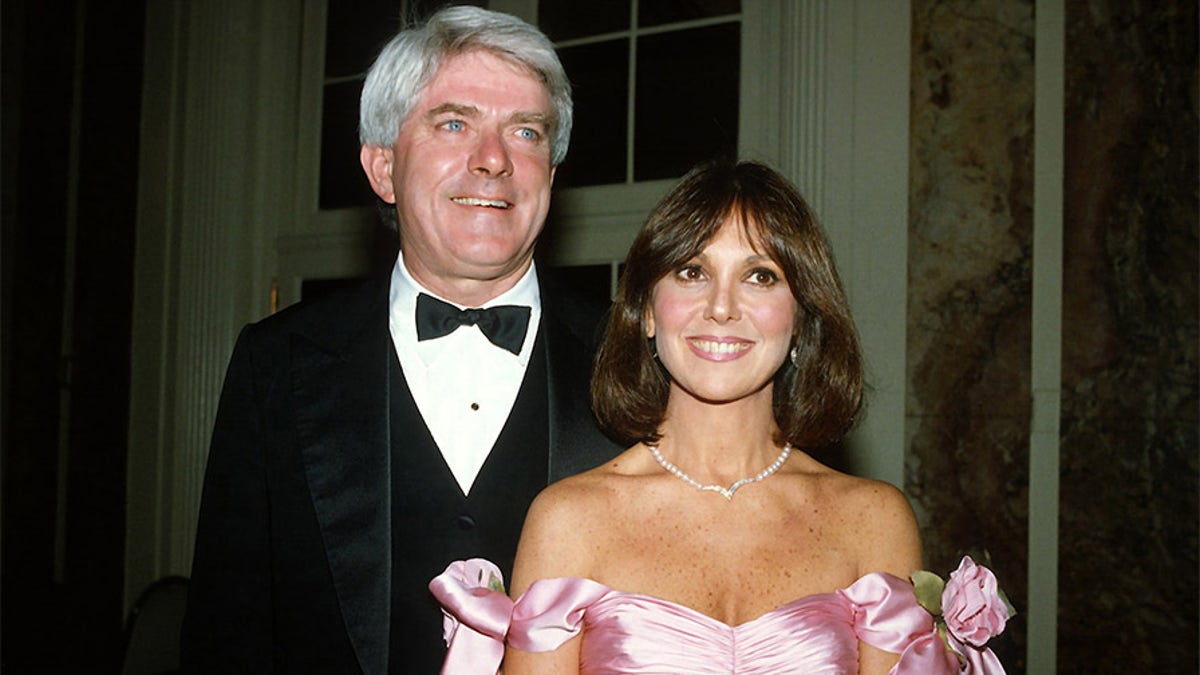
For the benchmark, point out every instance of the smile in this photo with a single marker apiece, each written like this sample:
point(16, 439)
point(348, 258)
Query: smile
point(719, 348)
point(475, 201)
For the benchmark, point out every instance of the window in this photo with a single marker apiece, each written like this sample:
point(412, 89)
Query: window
point(679, 60)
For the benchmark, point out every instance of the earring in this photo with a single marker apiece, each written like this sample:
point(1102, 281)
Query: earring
point(794, 356)
point(653, 348)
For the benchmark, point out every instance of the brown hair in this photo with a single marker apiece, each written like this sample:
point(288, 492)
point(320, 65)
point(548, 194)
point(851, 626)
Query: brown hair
point(816, 399)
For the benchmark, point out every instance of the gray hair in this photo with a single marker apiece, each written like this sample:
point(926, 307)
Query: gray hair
point(409, 62)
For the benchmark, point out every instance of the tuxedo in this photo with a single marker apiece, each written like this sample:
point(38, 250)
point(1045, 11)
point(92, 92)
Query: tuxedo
point(327, 507)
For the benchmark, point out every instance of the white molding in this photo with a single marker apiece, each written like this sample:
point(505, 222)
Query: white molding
point(810, 34)
point(875, 259)
point(597, 224)
point(311, 76)
point(1046, 347)
point(525, 9)
point(331, 255)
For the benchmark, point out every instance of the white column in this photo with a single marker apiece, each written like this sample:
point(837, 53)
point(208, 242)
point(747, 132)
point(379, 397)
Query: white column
point(218, 115)
point(836, 123)
point(1046, 355)
point(875, 259)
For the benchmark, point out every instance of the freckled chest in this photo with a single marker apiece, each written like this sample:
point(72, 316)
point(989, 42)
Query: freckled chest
point(738, 566)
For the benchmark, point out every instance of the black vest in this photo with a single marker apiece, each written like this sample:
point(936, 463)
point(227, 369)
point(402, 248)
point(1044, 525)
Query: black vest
point(433, 523)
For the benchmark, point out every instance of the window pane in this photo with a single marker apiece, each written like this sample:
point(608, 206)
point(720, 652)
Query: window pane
point(687, 99)
point(419, 10)
point(599, 76)
point(655, 12)
point(566, 19)
point(342, 181)
point(355, 31)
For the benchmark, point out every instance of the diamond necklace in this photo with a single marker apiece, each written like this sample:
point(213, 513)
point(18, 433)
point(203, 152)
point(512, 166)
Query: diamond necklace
point(727, 493)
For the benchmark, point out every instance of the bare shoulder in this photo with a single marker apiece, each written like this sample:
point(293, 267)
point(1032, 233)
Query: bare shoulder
point(877, 501)
point(858, 501)
point(888, 539)
point(873, 521)
point(563, 506)
point(574, 500)
point(564, 524)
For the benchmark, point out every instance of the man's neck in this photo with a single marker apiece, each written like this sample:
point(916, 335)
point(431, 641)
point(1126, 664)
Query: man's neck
point(468, 291)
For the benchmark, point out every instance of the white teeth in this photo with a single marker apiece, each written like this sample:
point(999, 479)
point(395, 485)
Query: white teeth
point(473, 201)
point(720, 347)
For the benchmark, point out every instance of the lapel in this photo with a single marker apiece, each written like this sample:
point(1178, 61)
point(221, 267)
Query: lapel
point(339, 385)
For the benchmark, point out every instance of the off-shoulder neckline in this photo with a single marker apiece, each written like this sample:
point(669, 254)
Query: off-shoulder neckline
point(611, 593)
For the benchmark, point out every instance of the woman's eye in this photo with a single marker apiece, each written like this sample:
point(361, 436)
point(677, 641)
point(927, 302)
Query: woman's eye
point(689, 273)
point(763, 277)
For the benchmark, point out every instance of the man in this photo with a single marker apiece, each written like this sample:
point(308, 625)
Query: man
point(364, 442)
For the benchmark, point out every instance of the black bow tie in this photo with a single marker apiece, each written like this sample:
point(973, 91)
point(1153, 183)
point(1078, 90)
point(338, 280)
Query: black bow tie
point(504, 325)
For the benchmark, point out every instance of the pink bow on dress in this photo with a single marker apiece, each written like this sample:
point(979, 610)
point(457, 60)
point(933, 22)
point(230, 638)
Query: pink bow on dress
point(475, 616)
point(478, 618)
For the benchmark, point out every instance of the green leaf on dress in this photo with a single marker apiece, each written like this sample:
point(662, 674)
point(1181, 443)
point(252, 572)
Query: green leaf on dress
point(928, 587)
point(495, 583)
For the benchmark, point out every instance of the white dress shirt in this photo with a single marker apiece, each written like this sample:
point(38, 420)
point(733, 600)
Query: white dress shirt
point(464, 385)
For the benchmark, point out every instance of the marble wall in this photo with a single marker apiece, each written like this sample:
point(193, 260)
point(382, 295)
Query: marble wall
point(1130, 275)
point(1128, 561)
point(970, 258)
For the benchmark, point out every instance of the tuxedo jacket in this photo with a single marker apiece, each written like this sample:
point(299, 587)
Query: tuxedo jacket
point(295, 555)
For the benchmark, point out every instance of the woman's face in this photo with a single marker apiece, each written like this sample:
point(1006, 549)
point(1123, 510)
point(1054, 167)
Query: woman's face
point(722, 321)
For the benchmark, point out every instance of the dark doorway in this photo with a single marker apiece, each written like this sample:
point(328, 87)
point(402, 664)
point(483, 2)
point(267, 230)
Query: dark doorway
point(71, 82)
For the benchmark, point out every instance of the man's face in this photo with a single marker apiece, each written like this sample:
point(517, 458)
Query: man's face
point(470, 175)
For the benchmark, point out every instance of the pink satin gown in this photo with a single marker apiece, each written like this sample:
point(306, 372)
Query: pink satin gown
point(639, 634)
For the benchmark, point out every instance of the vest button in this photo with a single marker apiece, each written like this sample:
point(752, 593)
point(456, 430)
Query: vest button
point(465, 522)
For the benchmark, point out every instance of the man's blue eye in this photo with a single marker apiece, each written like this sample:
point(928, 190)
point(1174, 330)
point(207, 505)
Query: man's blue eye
point(527, 133)
point(455, 125)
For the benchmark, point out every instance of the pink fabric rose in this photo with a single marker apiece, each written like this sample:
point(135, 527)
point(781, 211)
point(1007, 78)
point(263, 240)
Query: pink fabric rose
point(972, 606)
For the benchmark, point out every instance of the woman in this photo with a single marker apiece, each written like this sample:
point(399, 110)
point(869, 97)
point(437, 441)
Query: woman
point(716, 543)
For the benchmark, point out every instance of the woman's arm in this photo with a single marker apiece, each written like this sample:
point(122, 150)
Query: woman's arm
point(890, 542)
point(551, 546)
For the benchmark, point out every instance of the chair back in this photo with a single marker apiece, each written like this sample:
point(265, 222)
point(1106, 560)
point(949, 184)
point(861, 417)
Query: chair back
point(152, 630)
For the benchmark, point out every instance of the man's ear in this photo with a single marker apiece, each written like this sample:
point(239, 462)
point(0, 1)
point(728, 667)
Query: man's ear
point(377, 164)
